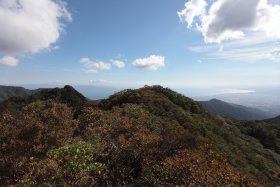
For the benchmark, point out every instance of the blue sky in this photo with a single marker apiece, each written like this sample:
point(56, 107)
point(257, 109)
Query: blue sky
point(151, 41)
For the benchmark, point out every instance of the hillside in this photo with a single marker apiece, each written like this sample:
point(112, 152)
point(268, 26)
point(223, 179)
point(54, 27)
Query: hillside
point(274, 121)
point(7, 92)
point(146, 137)
point(67, 95)
point(264, 99)
point(238, 112)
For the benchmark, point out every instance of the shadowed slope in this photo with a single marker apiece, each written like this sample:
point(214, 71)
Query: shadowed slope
point(232, 110)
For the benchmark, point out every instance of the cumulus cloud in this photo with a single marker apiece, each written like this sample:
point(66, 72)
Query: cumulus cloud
point(94, 67)
point(118, 63)
point(29, 26)
point(193, 8)
point(8, 61)
point(153, 62)
point(221, 20)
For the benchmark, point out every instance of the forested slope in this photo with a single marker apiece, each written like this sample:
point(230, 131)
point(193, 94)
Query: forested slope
point(149, 136)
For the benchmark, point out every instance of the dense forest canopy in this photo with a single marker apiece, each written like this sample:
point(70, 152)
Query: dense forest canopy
point(149, 136)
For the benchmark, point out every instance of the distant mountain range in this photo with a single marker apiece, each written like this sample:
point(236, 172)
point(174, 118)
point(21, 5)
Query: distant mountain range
point(216, 106)
point(7, 92)
point(265, 99)
point(57, 94)
point(238, 112)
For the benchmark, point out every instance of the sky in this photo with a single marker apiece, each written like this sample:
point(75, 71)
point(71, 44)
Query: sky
point(234, 44)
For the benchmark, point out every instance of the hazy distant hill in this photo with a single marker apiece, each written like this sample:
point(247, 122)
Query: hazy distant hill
point(232, 110)
point(11, 91)
point(274, 121)
point(265, 99)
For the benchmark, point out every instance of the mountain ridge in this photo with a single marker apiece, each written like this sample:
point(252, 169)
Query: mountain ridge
point(214, 105)
point(273, 121)
point(11, 91)
point(235, 111)
point(67, 95)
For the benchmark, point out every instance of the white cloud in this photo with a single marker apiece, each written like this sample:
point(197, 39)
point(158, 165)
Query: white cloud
point(59, 82)
point(8, 61)
point(29, 26)
point(99, 81)
point(118, 63)
point(153, 62)
point(94, 67)
point(236, 91)
point(193, 8)
point(253, 48)
point(232, 19)
point(249, 30)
